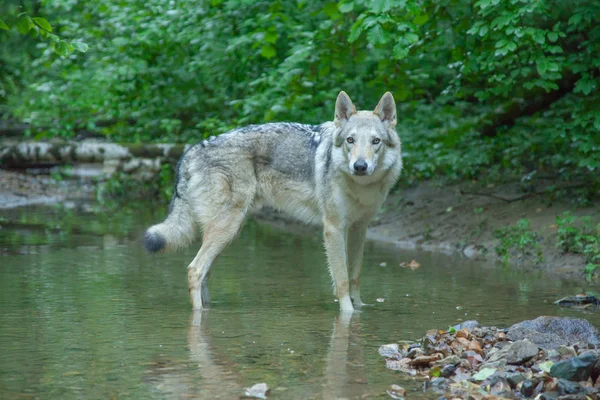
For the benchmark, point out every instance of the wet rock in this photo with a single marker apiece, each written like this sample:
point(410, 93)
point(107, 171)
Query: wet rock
point(390, 350)
point(579, 301)
point(401, 365)
point(415, 352)
point(447, 361)
point(257, 391)
point(494, 364)
point(424, 361)
point(527, 388)
point(437, 384)
point(447, 370)
point(468, 325)
point(575, 368)
point(473, 358)
point(516, 353)
point(565, 352)
point(512, 378)
point(551, 332)
point(567, 387)
point(396, 392)
point(500, 388)
point(548, 396)
point(578, 396)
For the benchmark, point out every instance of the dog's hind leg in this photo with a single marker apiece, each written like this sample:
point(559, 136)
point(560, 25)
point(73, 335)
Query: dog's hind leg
point(218, 233)
point(356, 244)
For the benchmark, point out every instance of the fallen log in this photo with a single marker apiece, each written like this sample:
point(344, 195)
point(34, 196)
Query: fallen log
point(27, 154)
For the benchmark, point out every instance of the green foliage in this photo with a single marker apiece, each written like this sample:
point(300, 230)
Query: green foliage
point(40, 27)
point(125, 187)
point(518, 240)
point(526, 70)
point(580, 236)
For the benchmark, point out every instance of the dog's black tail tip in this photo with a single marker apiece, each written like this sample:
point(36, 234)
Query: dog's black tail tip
point(154, 242)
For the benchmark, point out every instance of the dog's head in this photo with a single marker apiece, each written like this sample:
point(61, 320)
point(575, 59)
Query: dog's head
point(365, 136)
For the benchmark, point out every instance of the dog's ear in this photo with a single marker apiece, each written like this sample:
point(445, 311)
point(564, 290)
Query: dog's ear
point(386, 110)
point(344, 109)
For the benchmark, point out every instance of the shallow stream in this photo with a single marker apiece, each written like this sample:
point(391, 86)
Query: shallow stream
point(86, 313)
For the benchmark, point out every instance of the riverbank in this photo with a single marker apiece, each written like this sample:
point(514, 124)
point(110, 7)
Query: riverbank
point(497, 223)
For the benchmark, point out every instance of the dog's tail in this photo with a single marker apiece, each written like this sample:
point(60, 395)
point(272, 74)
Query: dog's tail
point(175, 232)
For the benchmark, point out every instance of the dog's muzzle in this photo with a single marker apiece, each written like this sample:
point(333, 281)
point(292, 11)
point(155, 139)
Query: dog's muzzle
point(360, 167)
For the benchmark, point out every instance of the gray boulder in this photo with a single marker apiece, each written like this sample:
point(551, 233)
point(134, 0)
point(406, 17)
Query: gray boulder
point(551, 332)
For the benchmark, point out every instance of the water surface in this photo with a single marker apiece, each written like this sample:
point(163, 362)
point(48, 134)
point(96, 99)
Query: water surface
point(86, 313)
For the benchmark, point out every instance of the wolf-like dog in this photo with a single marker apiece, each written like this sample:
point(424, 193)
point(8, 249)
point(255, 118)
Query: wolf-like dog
point(337, 173)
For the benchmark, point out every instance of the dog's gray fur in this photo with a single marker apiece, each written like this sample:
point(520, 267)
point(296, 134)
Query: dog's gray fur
point(337, 173)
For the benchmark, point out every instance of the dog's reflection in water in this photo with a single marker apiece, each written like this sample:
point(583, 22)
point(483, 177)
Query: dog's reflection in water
point(211, 374)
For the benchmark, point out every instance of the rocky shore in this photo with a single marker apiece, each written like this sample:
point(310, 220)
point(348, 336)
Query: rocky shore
point(545, 358)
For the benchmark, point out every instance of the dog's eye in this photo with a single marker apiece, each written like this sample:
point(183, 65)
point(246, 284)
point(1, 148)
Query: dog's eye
point(376, 141)
point(350, 140)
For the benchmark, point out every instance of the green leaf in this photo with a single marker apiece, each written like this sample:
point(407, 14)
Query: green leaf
point(24, 24)
point(43, 23)
point(542, 66)
point(585, 85)
point(546, 366)
point(483, 4)
point(382, 6)
point(420, 19)
point(331, 10)
point(552, 36)
point(553, 67)
point(575, 19)
point(268, 50)
point(501, 43)
point(411, 37)
point(538, 36)
point(483, 30)
point(355, 32)
point(377, 35)
point(53, 37)
point(346, 7)
point(62, 48)
point(400, 51)
point(80, 46)
point(271, 37)
point(3, 25)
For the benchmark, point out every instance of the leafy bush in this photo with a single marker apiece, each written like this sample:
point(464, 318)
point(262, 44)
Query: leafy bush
point(580, 236)
point(495, 88)
point(520, 240)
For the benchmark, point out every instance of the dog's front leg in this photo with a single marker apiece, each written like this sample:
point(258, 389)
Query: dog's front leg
point(335, 245)
point(356, 244)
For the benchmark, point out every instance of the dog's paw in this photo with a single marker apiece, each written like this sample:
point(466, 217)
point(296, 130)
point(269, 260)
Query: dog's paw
point(346, 304)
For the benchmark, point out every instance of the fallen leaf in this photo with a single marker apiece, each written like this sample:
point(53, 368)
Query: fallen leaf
point(546, 366)
point(412, 265)
point(484, 374)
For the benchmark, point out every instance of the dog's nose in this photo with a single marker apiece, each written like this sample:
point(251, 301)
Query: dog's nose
point(360, 166)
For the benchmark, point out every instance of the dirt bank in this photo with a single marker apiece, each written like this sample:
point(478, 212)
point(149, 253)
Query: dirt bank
point(463, 218)
point(460, 218)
